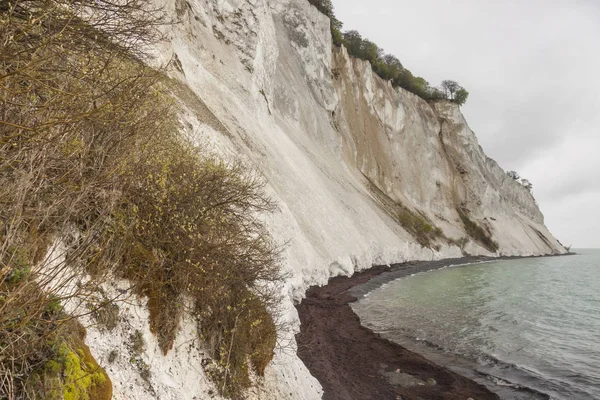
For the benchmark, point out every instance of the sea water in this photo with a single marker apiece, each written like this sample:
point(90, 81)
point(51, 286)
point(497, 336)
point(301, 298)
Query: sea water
point(526, 328)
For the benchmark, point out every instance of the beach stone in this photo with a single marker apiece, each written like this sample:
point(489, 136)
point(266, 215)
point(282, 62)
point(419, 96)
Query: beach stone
point(402, 379)
point(431, 382)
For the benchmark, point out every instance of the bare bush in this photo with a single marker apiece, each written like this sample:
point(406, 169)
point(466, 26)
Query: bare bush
point(96, 181)
point(191, 232)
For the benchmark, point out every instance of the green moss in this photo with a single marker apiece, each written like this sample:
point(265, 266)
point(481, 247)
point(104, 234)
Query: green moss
point(53, 368)
point(77, 380)
point(72, 374)
point(77, 376)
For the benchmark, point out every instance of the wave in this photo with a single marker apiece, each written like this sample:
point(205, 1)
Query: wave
point(510, 381)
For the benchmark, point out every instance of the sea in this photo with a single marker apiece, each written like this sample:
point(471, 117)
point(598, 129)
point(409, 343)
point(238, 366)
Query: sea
point(526, 328)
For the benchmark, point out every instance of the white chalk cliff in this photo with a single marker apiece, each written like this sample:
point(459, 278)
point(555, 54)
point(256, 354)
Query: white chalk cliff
point(335, 142)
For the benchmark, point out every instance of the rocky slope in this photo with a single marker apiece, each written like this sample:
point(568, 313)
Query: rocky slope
point(340, 149)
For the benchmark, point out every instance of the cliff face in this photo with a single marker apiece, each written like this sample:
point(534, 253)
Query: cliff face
point(427, 158)
point(340, 149)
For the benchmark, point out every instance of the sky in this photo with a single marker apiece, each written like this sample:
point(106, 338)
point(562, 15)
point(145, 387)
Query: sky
point(533, 72)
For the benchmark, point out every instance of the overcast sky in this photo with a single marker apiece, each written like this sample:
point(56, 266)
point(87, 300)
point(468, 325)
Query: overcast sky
point(533, 72)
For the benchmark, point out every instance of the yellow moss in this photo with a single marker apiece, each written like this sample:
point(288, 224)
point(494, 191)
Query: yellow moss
point(77, 380)
point(81, 378)
point(74, 374)
point(52, 367)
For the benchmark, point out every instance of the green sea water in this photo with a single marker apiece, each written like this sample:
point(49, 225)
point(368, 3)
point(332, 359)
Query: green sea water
point(527, 328)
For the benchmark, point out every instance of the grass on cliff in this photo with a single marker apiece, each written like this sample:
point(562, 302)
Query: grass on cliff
point(417, 225)
point(478, 233)
point(96, 180)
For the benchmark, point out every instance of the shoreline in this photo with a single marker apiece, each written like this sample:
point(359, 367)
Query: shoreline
point(352, 362)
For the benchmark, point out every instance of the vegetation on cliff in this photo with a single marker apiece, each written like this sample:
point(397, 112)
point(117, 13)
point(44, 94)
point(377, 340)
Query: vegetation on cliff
point(96, 181)
point(476, 232)
point(416, 224)
point(514, 175)
point(388, 66)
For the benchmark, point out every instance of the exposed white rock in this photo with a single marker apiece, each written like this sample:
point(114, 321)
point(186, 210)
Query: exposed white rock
point(148, 374)
point(322, 128)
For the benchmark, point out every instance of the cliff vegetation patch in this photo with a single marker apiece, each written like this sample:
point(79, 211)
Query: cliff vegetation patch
point(71, 373)
point(419, 226)
point(477, 233)
point(388, 66)
point(97, 182)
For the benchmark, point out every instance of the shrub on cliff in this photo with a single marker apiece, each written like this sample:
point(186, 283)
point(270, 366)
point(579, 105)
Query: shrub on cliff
point(525, 182)
point(326, 8)
point(188, 227)
point(477, 233)
point(95, 180)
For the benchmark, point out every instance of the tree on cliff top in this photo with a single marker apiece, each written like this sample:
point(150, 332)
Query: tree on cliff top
point(454, 92)
point(387, 66)
point(450, 88)
point(526, 184)
point(514, 175)
point(461, 96)
point(326, 8)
